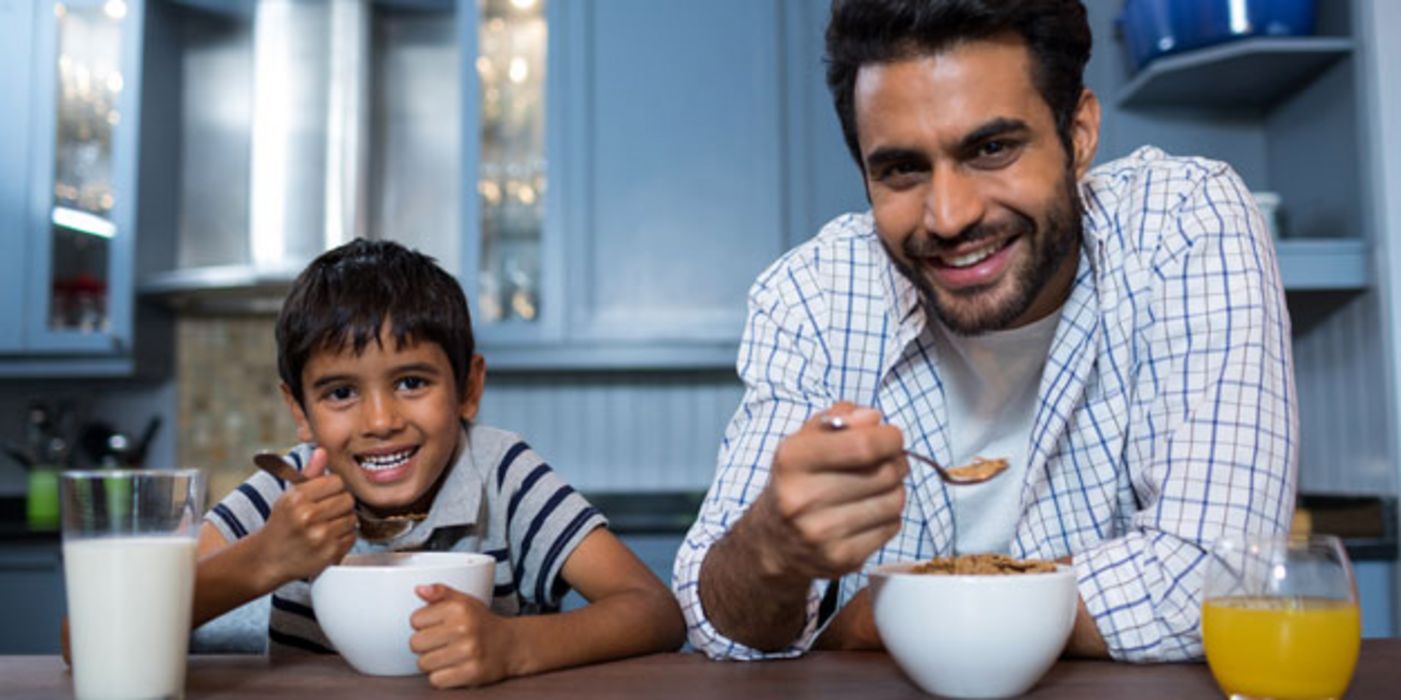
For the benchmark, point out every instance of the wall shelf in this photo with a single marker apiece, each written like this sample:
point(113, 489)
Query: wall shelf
point(1323, 264)
point(1247, 74)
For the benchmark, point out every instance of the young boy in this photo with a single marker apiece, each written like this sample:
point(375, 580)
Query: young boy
point(376, 358)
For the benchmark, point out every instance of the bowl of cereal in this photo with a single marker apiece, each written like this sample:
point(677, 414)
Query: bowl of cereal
point(364, 603)
point(974, 626)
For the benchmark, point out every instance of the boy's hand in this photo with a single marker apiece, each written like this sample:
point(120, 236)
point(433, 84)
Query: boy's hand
point(459, 641)
point(312, 525)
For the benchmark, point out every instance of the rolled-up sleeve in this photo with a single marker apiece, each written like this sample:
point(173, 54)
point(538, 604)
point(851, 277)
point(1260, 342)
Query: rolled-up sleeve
point(1215, 449)
point(782, 361)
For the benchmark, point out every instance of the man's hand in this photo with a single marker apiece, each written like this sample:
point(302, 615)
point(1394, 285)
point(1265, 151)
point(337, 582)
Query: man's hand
point(459, 641)
point(833, 498)
point(312, 525)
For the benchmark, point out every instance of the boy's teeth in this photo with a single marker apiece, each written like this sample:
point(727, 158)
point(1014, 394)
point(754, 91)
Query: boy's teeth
point(972, 258)
point(381, 462)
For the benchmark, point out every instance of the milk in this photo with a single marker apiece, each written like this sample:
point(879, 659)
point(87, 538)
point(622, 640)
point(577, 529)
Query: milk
point(129, 604)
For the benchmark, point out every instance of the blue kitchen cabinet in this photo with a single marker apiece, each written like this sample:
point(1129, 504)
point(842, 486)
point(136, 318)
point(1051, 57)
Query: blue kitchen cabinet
point(677, 148)
point(16, 18)
point(70, 205)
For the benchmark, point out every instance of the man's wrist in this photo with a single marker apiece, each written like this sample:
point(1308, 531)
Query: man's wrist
point(755, 538)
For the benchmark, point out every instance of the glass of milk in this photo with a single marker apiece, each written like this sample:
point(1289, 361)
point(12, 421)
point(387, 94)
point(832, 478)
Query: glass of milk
point(129, 567)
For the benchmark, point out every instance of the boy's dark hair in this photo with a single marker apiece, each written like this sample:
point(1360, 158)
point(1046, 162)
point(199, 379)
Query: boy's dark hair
point(881, 31)
point(342, 299)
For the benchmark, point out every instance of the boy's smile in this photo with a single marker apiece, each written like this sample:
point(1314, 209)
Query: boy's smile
point(388, 418)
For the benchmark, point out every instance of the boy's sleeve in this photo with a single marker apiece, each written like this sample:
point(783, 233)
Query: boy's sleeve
point(245, 509)
point(545, 520)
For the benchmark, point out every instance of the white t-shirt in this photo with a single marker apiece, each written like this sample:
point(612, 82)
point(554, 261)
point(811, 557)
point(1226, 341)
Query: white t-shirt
point(990, 385)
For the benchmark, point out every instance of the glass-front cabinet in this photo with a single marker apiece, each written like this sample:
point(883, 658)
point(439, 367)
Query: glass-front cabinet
point(80, 216)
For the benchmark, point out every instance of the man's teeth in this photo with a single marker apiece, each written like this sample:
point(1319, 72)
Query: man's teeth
point(376, 463)
point(972, 258)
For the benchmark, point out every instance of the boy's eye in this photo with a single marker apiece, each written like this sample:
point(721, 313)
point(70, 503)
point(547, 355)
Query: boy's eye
point(413, 383)
point(340, 393)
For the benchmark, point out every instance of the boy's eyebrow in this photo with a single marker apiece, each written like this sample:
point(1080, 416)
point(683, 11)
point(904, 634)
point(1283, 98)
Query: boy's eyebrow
point(421, 367)
point(328, 379)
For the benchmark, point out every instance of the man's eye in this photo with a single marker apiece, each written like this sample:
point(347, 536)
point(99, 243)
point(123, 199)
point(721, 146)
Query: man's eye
point(995, 152)
point(899, 175)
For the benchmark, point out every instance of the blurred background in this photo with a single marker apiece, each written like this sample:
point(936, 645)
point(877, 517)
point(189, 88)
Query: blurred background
point(606, 178)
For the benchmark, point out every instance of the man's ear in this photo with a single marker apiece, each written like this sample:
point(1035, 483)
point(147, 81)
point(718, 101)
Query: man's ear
point(298, 413)
point(1084, 132)
point(472, 393)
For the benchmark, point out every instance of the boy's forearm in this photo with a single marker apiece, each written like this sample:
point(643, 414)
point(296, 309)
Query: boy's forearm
point(628, 623)
point(229, 578)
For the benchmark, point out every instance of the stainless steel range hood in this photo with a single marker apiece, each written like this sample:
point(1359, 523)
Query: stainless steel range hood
point(296, 120)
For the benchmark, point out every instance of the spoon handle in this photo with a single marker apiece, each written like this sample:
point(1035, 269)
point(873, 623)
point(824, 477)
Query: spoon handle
point(278, 467)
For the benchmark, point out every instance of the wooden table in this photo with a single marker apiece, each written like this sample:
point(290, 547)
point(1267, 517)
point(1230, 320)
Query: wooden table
point(845, 675)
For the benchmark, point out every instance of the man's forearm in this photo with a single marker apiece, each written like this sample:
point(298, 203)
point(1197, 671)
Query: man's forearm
point(746, 601)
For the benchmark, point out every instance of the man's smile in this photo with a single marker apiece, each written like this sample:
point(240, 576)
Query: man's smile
point(971, 266)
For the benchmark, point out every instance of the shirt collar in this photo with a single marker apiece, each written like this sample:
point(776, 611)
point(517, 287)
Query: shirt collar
point(458, 502)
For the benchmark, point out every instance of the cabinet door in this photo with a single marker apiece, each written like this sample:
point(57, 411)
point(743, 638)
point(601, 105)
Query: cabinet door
point(82, 196)
point(675, 198)
point(16, 31)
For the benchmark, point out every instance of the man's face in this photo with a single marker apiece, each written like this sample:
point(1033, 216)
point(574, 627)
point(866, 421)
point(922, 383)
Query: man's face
point(974, 196)
point(388, 418)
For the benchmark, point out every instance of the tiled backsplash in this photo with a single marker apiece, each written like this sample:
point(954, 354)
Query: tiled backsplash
point(229, 404)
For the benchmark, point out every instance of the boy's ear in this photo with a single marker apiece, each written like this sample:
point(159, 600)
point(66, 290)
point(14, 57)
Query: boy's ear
point(472, 393)
point(298, 414)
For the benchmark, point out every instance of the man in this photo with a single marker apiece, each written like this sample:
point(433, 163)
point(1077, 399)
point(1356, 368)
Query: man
point(1119, 334)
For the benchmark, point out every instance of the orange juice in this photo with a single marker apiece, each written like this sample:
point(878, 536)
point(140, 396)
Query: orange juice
point(1275, 647)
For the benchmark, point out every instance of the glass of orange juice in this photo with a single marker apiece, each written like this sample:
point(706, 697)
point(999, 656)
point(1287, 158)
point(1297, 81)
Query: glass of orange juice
point(1280, 617)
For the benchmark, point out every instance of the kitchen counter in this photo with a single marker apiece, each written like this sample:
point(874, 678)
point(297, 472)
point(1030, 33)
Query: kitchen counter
point(868, 675)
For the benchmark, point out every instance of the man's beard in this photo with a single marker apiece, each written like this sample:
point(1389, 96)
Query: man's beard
point(1048, 247)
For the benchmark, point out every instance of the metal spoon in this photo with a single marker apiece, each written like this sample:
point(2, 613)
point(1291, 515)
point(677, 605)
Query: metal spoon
point(371, 527)
point(976, 473)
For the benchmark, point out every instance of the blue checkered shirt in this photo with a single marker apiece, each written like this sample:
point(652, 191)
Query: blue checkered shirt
point(1166, 413)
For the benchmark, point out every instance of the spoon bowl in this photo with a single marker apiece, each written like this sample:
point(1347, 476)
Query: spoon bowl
point(977, 472)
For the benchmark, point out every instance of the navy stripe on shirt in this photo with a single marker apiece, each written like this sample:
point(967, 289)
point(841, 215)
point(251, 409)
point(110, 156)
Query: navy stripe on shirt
point(293, 607)
point(231, 520)
point(499, 554)
point(256, 499)
point(536, 524)
point(511, 456)
point(528, 482)
point(294, 641)
point(564, 536)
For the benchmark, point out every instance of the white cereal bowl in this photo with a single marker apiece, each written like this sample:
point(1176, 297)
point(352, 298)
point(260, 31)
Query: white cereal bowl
point(364, 603)
point(973, 636)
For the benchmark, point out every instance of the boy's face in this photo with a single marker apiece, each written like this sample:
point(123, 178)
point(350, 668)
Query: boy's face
point(388, 418)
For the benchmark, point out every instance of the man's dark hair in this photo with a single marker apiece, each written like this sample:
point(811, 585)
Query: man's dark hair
point(342, 299)
point(1056, 33)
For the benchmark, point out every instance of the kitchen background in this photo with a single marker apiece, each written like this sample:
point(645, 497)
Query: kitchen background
point(606, 177)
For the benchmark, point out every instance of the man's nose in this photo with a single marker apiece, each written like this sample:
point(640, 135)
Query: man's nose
point(954, 202)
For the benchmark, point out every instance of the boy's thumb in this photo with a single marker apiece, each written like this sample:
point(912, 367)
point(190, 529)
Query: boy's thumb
point(317, 466)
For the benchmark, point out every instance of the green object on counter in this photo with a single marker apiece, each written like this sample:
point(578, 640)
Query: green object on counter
point(41, 507)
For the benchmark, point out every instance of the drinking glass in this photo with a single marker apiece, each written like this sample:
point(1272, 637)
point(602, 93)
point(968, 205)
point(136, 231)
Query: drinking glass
point(1280, 617)
point(129, 568)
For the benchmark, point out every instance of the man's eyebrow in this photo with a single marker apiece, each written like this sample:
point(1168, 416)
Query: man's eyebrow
point(885, 155)
point(1000, 126)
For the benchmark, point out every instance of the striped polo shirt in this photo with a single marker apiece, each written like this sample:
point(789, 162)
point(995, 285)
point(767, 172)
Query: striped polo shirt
point(499, 498)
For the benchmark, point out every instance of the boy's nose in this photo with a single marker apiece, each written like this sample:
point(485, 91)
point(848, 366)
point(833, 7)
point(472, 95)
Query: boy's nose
point(381, 415)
